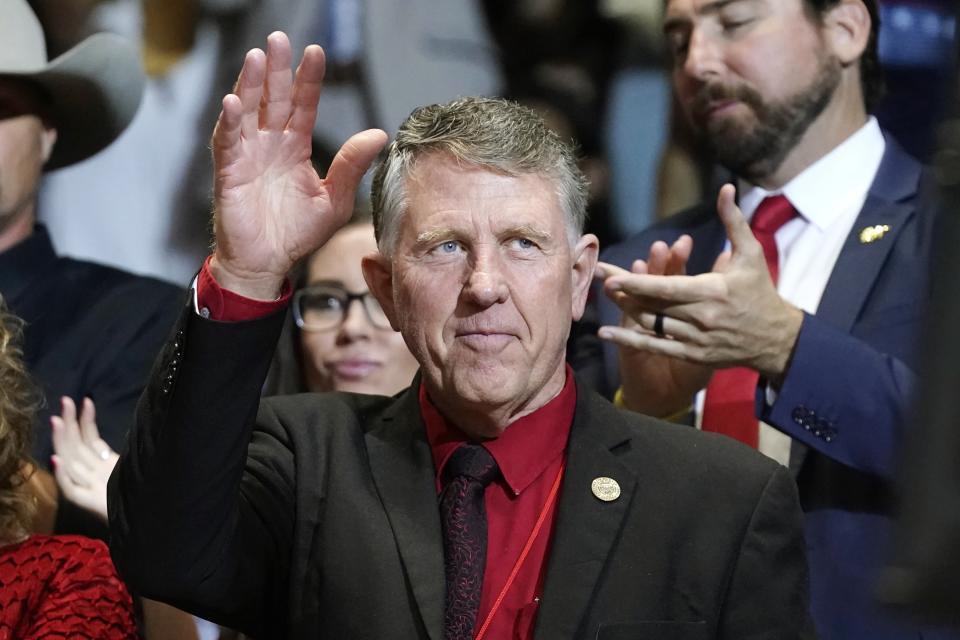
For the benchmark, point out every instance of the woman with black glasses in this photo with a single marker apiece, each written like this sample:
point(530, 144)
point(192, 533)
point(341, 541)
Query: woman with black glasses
point(339, 338)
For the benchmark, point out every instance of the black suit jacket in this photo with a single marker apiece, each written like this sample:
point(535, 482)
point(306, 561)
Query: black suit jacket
point(318, 513)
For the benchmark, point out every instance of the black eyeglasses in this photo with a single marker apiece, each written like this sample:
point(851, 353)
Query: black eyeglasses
point(324, 307)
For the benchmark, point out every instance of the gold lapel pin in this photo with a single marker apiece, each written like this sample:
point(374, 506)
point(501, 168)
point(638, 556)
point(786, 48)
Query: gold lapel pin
point(874, 233)
point(606, 489)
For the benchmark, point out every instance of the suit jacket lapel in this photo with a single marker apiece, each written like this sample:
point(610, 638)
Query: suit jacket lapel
point(890, 202)
point(586, 527)
point(402, 469)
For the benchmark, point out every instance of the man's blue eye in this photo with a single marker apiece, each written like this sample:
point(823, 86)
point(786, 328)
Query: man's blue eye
point(449, 247)
point(525, 243)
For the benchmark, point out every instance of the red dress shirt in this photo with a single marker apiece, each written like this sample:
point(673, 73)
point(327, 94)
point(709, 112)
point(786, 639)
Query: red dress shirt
point(530, 454)
point(217, 303)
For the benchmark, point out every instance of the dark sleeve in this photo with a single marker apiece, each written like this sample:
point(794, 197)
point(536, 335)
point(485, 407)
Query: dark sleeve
point(844, 398)
point(768, 593)
point(201, 502)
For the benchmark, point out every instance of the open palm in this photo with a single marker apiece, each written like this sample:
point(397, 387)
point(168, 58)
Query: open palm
point(271, 208)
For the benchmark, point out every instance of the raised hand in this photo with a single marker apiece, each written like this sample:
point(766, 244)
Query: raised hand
point(732, 316)
point(270, 206)
point(82, 460)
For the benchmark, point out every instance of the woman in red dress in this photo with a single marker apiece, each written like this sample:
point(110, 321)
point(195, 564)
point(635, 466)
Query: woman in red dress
point(50, 586)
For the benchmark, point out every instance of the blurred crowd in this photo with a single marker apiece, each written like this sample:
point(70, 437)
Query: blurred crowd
point(79, 332)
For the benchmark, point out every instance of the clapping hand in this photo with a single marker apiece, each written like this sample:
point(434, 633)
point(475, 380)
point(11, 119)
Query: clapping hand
point(271, 207)
point(676, 380)
point(732, 316)
point(82, 460)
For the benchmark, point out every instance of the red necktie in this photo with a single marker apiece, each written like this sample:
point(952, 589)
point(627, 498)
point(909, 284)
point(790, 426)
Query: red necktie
point(731, 394)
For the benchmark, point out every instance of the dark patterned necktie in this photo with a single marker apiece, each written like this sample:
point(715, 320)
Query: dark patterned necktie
point(468, 471)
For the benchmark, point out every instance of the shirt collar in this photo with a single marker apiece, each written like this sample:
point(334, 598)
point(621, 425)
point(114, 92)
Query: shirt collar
point(24, 261)
point(824, 189)
point(523, 451)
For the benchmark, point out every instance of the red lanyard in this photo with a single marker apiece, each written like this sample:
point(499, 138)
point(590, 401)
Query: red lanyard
point(523, 554)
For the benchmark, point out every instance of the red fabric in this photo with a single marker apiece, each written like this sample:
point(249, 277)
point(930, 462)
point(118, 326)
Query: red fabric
point(530, 454)
point(226, 306)
point(62, 587)
point(729, 406)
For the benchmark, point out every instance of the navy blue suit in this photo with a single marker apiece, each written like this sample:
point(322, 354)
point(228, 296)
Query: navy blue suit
point(845, 394)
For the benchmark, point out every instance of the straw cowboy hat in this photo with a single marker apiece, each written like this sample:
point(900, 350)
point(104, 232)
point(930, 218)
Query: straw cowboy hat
point(93, 89)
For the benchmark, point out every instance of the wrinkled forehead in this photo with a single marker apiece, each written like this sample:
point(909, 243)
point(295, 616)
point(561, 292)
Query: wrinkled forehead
point(443, 188)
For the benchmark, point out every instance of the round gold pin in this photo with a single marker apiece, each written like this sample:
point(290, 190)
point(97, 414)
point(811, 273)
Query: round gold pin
point(606, 489)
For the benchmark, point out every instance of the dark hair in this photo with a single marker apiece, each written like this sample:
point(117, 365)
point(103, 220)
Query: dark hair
point(871, 73)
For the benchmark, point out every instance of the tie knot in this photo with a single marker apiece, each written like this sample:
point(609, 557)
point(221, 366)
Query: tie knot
point(773, 213)
point(472, 461)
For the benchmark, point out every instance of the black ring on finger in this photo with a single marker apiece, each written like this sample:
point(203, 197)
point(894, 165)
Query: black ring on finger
point(658, 325)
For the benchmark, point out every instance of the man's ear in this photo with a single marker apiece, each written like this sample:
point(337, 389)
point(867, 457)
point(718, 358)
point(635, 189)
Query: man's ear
point(47, 140)
point(585, 255)
point(378, 272)
point(846, 28)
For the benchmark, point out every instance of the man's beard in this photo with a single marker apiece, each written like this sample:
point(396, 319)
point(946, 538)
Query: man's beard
point(756, 149)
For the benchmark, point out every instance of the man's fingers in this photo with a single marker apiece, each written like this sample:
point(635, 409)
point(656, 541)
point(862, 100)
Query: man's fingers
point(639, 266)
point(250, 90)
point(275, 100)
point(738, 230)
point(226, 133)
point(671, 326)
point(348, 166)
point(645, 342)
point(307, 84)
point(668, 290)
point(679, 256)
point(722, 262)
point(634, 305)
point(605, 270)
point(658, 258)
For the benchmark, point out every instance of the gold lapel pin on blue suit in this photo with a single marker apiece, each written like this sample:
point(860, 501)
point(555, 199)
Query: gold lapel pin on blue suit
point(874, 233)
point(606, 489)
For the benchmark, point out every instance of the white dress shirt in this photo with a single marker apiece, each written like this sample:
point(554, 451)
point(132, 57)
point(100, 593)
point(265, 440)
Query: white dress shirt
point(828, 195)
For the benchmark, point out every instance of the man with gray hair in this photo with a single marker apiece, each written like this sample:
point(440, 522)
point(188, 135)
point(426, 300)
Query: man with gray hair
point(496, 497)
